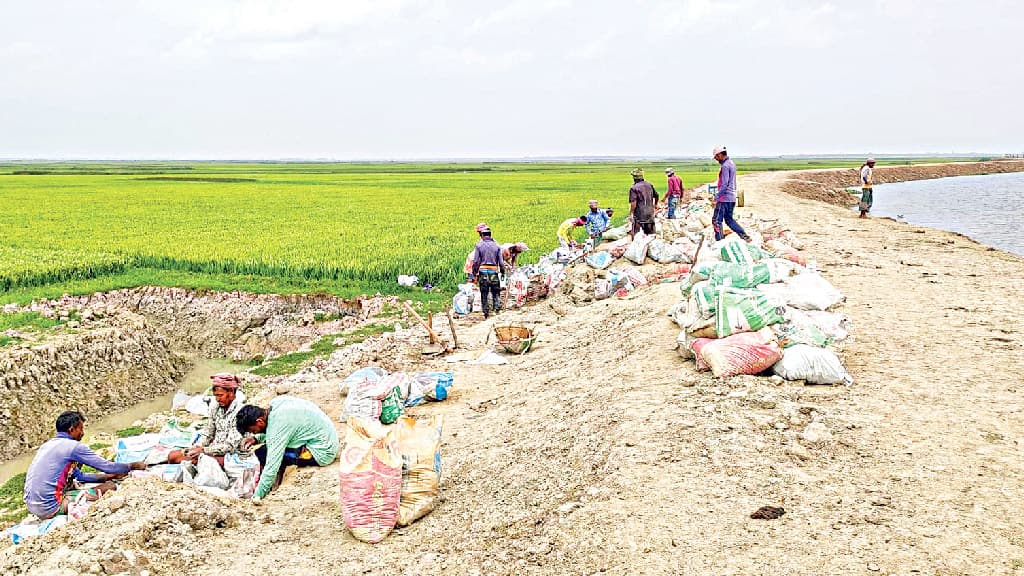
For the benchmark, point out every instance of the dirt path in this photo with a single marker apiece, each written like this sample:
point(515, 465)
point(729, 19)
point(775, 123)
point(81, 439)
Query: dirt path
point(602, 452)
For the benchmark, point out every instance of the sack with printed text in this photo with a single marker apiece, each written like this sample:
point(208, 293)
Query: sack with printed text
point(419, 445)
point(370, 476)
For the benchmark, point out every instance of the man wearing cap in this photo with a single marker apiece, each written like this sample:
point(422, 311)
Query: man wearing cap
point(675, 191)
point(597, 222)
point(643, 203)
point(487, 264)
point(221, 435)
point(725, 199)
point(866, 182)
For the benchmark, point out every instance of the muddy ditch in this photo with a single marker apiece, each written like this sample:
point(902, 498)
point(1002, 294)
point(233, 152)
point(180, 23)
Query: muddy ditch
point(129, 346)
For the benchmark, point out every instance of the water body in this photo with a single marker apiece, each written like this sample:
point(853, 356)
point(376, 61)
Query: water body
point(196, 380)
point(989, 209)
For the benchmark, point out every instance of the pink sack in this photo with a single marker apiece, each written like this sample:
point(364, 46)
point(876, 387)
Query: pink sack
point(370, 475)
point(744, 353)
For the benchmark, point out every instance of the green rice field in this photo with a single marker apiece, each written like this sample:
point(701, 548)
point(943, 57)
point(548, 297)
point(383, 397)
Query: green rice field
point(343, 228)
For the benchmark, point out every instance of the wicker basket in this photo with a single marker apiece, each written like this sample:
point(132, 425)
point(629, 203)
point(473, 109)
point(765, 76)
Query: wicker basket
point(515, 338)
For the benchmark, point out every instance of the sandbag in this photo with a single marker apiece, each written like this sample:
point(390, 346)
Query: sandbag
point(813, 365)
point(518, 288)
point(462, 302)
point(740, 252)
point(686, 248)
point(602, 288)
point(618, 248)
point(370, 373)
point(744, 311)
point(783, 250)
point(663, 252)
point(746, 353)
point(370, 479)
point(599, 260)
point(209, 473)
point(366, 399)
point(832, 324)
point(810, 291)
point(419, 446)
point(429, 387)
point(243, 473)
point(617, 233)
point(637, 251)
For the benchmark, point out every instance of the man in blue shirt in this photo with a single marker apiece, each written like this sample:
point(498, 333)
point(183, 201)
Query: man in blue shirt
point(50, 482)
point(597, 222)
point(725, 199)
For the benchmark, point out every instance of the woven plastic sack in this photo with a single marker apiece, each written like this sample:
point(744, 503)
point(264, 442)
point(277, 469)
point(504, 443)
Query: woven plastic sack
point(705, 296)
point(783, 250)
point(637, 251)
point(599, 260)
point(813, 365)
point(243, 473)
point(518, 288)
point(462, 302)
point(419, 444)
point(618, 248)
point(370, 479)
point(741, 253)
point(209, 473)
point(429, 387)
point(663, 252)
point(371, 373)
point(366, 398)
point(810, 291)
point(744, 311)
point(831, 324)
point(617, 233)
point(391, 405)
point(746, 353)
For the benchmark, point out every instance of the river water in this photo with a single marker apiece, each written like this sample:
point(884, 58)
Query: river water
point(196, 380)
point(989, 209)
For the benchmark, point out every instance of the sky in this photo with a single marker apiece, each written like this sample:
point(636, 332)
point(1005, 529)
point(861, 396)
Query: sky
point(428, 79)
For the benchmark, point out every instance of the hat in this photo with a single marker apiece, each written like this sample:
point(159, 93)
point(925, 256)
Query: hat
point(637, 173)
point(593, 202)
point(522, 247)
point(482, 226)
point(870, 161)
point(718, 150)
point(670, 171)
point(225, 380)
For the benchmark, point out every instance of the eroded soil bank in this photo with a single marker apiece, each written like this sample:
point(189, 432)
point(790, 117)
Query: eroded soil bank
point(133, 345)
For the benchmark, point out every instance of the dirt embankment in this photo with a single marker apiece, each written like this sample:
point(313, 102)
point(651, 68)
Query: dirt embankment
point(601, 451)
point(831, 185)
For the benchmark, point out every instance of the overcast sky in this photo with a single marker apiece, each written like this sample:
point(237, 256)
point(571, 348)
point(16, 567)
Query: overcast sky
point(395, 79)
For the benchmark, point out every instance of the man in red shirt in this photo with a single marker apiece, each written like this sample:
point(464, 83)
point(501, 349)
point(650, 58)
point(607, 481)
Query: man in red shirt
point(675, 191)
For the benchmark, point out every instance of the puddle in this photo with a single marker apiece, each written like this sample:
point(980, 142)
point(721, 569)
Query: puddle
point(196, 380)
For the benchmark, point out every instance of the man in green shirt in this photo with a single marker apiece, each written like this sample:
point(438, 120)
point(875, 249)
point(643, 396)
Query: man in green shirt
point(293, 431)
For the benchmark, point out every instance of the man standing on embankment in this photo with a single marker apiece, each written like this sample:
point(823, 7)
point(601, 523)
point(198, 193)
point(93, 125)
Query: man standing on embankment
point(725, 199)
point(867, 170)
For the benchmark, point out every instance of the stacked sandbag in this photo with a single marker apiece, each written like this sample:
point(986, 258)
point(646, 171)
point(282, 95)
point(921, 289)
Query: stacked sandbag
point(755, 307)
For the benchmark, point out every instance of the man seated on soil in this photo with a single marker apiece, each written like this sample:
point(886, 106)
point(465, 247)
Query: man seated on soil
point(54, 478)
point(293, 431)
point(221, 436)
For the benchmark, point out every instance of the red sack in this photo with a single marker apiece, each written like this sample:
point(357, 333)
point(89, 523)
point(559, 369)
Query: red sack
point(744, 353)
point(370, 475)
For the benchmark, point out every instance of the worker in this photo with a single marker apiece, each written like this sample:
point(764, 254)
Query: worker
point(487, 268)
point(55, 479)
point(468, 266)
point(867, 170)
point(510, 253)
point(220, 437)
point(294, 432)
point(597, 222)
point(674, 195)
point(566, 229)
point(725, 197)
point(643, 203)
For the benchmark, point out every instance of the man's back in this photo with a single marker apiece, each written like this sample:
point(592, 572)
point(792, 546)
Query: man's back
point(642, 193)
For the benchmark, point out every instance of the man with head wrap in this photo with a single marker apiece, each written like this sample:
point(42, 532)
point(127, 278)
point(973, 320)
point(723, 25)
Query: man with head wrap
point(221, 436)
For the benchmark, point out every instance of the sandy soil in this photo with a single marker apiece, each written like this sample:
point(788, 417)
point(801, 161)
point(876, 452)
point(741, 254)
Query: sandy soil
point(602, 452)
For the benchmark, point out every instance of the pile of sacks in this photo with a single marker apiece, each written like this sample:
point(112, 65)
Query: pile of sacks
point(749, 308)
point(390, 470)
